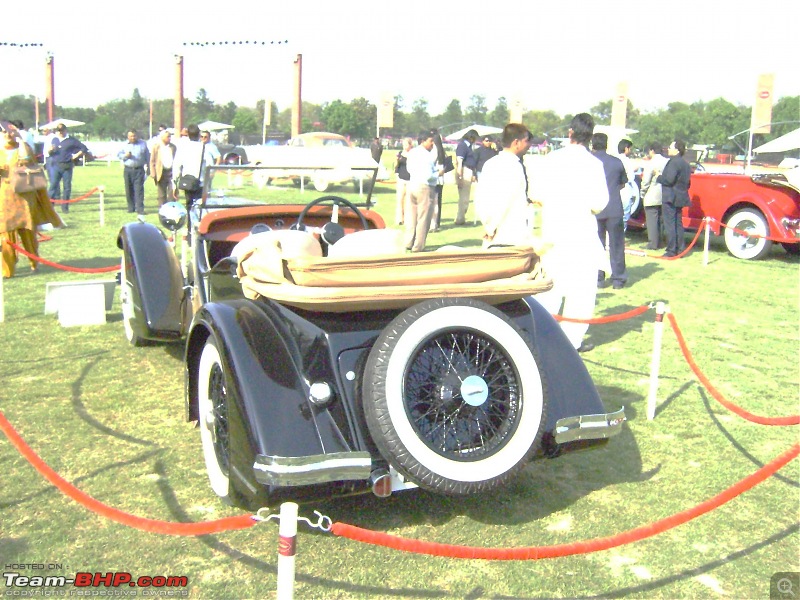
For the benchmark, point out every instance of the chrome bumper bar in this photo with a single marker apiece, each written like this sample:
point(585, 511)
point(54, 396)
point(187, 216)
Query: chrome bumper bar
point(317, 468)
point(589, 427)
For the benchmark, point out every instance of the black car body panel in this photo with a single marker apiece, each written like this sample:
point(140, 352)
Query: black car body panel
point(285, 440)
point(153, 270)
point(274, 353)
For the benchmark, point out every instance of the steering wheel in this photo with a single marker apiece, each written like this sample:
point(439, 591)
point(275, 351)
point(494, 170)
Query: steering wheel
point(331, 232)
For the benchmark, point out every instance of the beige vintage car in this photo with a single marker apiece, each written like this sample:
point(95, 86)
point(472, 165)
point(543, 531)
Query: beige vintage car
point(326, 159)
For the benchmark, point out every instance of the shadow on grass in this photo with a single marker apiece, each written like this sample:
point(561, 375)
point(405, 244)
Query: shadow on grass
point(640, 272)
point(256, 563)
point(621, 370)
point(662, 406)
point(109, 467)
point(476, 243)
point(80, 263)
point(611, 332)
point(656, 584)
point(12, 549)
point(86, 416)
point(12, 360)
point(739, 447)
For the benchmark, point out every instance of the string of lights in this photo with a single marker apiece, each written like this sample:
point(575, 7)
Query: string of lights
point(22, 44)
point(239, 43)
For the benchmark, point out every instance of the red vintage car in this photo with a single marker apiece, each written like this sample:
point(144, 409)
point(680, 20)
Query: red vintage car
point(751, 212)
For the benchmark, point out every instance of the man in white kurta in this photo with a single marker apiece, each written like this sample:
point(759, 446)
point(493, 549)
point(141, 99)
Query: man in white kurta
point(501, 202)
point(571, 186)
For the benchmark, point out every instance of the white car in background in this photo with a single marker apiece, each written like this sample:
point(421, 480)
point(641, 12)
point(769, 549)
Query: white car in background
point(327, 159)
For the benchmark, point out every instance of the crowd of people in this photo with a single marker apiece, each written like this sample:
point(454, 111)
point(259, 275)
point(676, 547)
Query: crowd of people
point(582, 193)
point(166, 162)
point(583, 196)
point(22, 211)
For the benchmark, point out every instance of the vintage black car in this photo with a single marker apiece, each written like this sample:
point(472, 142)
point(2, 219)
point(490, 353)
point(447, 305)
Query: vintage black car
point(322, 359)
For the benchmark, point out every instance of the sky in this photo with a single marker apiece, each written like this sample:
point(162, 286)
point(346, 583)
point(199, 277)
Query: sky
point(561, 55)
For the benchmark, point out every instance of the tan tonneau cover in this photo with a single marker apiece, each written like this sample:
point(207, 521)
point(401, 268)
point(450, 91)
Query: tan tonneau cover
point(390, 280)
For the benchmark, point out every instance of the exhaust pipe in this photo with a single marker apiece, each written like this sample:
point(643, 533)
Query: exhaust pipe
point(381, 483)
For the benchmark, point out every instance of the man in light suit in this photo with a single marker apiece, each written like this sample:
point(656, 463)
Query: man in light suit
point(161, 160)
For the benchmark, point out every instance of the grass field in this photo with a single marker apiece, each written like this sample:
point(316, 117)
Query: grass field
point(109, 418)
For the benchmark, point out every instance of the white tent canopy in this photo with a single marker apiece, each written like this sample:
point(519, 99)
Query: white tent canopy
point(789, 141)
point(214, 126)
point(64, 122)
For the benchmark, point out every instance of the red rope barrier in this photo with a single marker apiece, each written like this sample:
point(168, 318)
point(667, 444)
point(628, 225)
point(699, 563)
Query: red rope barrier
point(151, 525)
point(633, 252)
point(791, 420)
point(44, 261)
point(535, 553)
point(609, 319)
point(78, 199)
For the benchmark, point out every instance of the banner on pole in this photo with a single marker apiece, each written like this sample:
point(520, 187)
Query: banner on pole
point(515, 110)
point(619, 105)
point(761, 116)
point(386, 110)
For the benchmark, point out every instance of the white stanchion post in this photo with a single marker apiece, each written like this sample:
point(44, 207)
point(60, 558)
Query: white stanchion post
point(655, 363)
point(287, 548)
point(102, 189)
point(705, 242)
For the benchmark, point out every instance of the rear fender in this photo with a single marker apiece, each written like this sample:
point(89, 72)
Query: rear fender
point(571, 391)
point(156, 280)
point(270, 389)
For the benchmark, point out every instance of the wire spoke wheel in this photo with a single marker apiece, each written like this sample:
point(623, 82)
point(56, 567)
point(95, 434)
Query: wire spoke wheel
point(453, 396)
point(462, 395)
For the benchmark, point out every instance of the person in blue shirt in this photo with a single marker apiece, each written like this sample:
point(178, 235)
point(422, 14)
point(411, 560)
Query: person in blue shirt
point(135, 157)
point(64, 151)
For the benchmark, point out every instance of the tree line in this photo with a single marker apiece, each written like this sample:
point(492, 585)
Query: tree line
point(698, 123)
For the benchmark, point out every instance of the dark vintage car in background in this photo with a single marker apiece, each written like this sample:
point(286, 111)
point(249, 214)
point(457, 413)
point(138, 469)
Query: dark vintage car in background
point(322, 360)
point(752, 208)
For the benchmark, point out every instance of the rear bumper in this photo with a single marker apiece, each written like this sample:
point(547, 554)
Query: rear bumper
point(589, 427)
point(308, 470)
point(342, 466)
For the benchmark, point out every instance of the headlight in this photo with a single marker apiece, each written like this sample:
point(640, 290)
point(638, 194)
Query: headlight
point(172, 215)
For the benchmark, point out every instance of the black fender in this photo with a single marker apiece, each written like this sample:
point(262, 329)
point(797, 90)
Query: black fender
point(157, 285)
point(571, 390)
point(269, 411)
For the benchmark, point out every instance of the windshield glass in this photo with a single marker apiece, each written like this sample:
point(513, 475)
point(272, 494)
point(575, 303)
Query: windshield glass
point(235, 185)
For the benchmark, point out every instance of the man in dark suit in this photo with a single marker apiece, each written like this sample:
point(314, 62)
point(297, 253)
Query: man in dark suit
point(610, 219)
point(675, 181)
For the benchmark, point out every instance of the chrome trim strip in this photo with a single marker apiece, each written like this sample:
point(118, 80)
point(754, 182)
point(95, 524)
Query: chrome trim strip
point(589, 427)
point(317, 468)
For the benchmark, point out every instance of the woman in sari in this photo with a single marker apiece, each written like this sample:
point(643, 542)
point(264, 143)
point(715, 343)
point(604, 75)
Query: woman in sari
point(20, 213)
